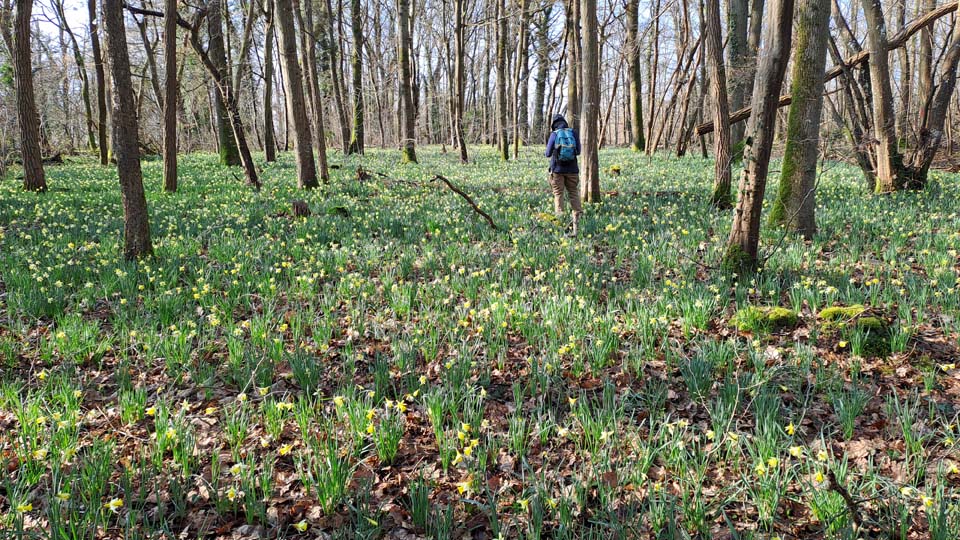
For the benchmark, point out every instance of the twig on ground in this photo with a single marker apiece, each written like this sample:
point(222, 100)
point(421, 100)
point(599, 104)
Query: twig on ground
point(467, 198)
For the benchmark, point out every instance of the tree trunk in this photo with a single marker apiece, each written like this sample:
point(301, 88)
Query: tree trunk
point(573, 64)
point(889, 161)
point(519, 80)
point(103, 143)
point(796, 200)
point(170, 96)
point(296, 104)
point(590, 181)
point(931, 132)
point(632, 45)
point(136, 224)
point(27, 118)
point(229, 154)
point(742, 254)
point(81, 73)
point(356, 66)
point(540, 120)
point(460, 76)
point(404, 51)
point(503, 141)
point(654, 65)
point(737, 58)
point(269, 134)
point(925, 63)
point(721, 110)
point(336, 79)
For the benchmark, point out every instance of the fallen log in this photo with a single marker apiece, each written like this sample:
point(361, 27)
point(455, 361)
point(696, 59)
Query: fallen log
point(897, 41)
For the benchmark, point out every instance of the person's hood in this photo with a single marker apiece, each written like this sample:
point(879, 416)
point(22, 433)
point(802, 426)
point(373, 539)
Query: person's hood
point(559, 122)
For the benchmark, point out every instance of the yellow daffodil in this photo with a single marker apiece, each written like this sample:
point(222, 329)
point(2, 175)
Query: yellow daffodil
point(301, 525)
point(114, 505)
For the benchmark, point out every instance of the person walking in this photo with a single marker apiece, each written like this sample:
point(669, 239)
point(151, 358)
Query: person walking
point(563, 147)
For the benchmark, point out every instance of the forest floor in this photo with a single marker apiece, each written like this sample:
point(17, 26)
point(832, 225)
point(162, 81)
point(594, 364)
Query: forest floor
point(393, 367)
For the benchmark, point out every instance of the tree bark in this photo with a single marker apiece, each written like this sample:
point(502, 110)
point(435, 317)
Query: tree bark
point(503, 140)
point(102, 142)
point(28, 120)
point(404, 50)
point(460, 81)
point(796, 200)
point(590, 179)
point(170, 96)
point(81, 73)
point(356, 66)
point(296, 104)
point(136, 223)
point(269, 133)
point(743, 245)
point(573, 62)
point(721, 110)
point(637, 142)
point(229, 153)
point(738, 58)
point(889, 160)
point(519, 82)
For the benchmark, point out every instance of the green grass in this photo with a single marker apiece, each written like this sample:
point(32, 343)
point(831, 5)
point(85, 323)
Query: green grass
point(392, 361)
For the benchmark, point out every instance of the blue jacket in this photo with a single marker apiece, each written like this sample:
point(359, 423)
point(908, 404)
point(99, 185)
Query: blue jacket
point(564, 167)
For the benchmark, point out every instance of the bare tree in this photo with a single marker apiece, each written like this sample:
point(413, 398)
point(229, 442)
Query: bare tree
point(296, 104)
point(216, 50)
point(590, 184)
point(743, 244)
point(136, 223)
point(721, 110)
point(170, 96)
point(28, 120)
point(407, 114)
point(503, 141)
point(356, 66)
point(460, 81)
point(103, 144)
point(632, 45)
point(796, 200)
point(269, 135)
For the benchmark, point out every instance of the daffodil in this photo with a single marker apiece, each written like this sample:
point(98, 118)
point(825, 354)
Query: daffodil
point(24, 507)
point(114, 505)
point(301, 525)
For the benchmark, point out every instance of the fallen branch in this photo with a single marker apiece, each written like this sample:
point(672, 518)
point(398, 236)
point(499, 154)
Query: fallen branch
point(834, 485)
point(466, 197)
point(893, 43)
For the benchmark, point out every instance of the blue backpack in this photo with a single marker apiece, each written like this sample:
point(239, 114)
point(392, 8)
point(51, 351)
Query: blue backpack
point(565, 145)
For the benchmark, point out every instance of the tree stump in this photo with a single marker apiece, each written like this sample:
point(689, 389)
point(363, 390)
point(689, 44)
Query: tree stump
point(300, 209)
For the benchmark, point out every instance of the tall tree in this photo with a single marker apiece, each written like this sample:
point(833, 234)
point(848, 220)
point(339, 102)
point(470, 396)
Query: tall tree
point(216, 49)
point(889, 161)
point(296, 104)
point(721, 109)
point(796, 199)
point(460, 80)
point(136, 222)
point(591, 102)
point(356, 66)
point(28, 120)
point(632, 46)
point(81, 73)
point(742, 253)
point(170, 96)
point(503, 141)
point(100, 75)
point(738, 58)
point(573, 62)
point(407, 114)
point(269, 133)
point(543, 46)
point(519, 80)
